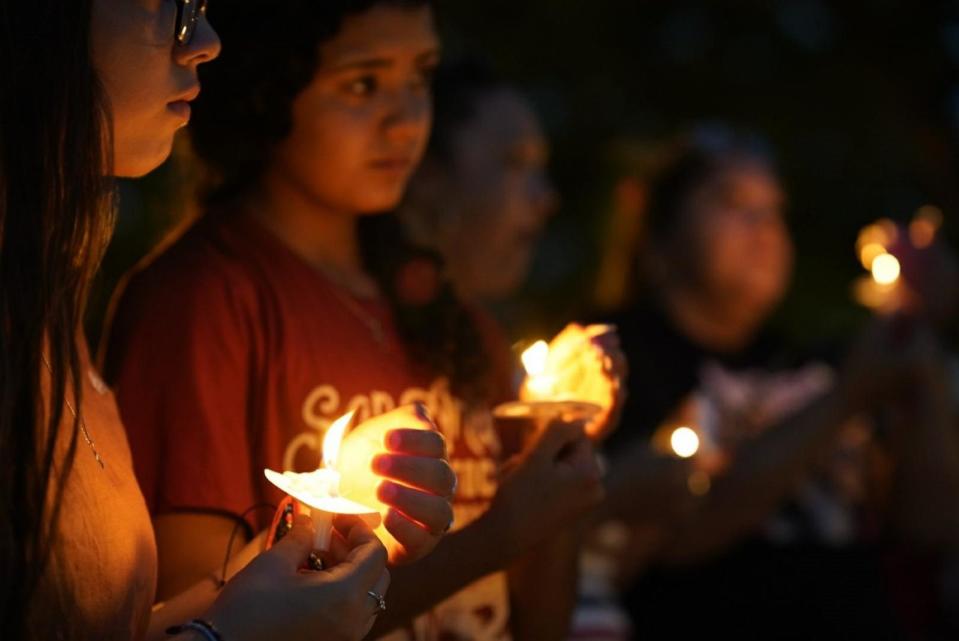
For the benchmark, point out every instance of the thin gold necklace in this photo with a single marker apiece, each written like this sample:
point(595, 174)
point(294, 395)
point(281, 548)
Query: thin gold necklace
point(373, 324)
point(79, 419)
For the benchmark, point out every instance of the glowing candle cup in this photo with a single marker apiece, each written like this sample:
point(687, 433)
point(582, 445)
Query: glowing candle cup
point(564, 379)
point(345, 483)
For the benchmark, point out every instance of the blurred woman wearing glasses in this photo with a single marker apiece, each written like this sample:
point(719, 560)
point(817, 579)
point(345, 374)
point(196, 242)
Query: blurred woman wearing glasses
point(786, 521)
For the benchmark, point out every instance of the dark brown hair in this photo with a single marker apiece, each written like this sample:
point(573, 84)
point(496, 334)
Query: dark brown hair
point(54, 221)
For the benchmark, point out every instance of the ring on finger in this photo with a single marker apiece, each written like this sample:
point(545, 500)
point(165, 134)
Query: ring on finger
point(448, 527)
point(456, 482)
point(380, 601)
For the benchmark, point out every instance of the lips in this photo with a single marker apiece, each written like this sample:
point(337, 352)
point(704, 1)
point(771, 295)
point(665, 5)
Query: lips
point(189, 95)
point(180, 106)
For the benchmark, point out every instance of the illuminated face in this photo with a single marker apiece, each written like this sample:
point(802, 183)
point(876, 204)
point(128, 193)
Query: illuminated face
point(360, 127)
point(498, 196)
point(148, 78)
point(735, 224)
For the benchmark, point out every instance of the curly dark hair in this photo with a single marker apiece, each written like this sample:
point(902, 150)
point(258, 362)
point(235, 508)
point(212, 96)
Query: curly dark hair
point(246, 109)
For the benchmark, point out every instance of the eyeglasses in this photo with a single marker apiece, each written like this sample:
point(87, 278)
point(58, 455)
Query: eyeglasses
point(188, 14)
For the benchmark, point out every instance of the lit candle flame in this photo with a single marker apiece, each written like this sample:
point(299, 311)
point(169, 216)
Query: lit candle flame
point(536, 363)
point(684, 441)
point(334, 438)
point(534, 358)
point(885, 269)
point(319, 490)
point(875, 240)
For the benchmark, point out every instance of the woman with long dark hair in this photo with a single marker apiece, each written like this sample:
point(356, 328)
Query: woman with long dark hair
point(94, 89)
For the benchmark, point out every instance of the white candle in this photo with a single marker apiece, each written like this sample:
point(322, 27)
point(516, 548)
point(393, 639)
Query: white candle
point(319, 490)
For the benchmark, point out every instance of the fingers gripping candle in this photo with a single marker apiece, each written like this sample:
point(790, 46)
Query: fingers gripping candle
point(345, 483)
point(319, 490)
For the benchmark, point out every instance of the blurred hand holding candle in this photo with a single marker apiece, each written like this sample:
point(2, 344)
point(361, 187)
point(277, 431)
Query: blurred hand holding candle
point(909, 269)
point(879, 290)
point(680, 438)
point(345, 483)
point(576, 376)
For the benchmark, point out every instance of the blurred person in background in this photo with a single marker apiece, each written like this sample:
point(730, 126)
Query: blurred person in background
point(482, 193)
point(783, 522)
point(482, 197)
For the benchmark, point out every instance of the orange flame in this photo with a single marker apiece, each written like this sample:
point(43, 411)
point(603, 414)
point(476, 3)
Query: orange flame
point(334, 438)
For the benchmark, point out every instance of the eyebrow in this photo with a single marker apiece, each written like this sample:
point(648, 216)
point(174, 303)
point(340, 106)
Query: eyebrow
point(373, 63)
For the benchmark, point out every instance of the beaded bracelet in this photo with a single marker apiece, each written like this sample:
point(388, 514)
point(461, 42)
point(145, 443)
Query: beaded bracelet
point(205, 628)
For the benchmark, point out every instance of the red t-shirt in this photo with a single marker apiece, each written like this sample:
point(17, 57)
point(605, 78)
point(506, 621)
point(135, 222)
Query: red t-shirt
point(230, 354)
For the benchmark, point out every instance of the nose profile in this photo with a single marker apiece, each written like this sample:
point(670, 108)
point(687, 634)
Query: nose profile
point(408, 116)
point(203, 47)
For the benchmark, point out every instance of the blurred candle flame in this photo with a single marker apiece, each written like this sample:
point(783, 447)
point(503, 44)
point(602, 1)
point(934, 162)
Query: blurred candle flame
point(534, 358)
point(684, 441)
point(881, 246)
point(885, 269)
point(869, 253)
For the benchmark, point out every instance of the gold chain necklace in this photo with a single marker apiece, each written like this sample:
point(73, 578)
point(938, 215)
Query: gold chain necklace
point(79, 419)
point(373, 324)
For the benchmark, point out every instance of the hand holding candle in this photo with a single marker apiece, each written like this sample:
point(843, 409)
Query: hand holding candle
point(910, 269)
point(413, 485)
point(686, 438)
point(319, 491)
point(401, 445)
point(546, 488)
point(272, 599)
